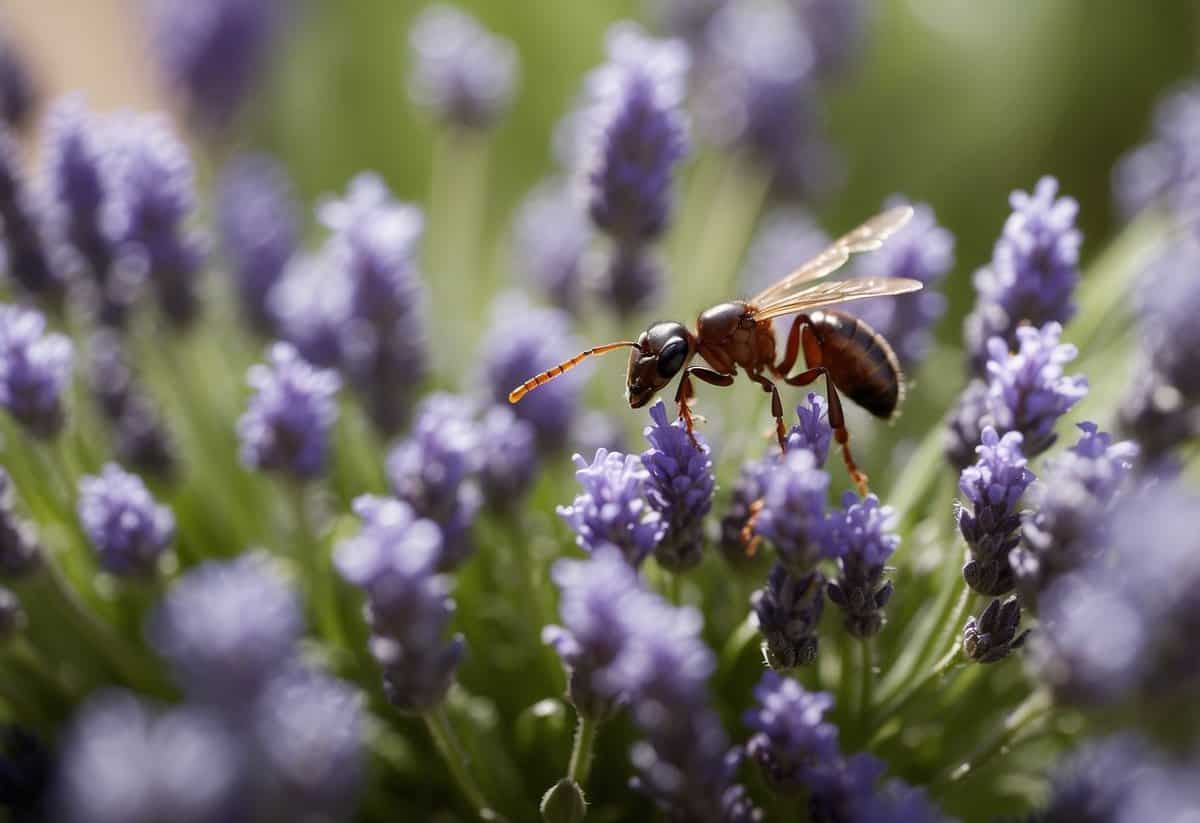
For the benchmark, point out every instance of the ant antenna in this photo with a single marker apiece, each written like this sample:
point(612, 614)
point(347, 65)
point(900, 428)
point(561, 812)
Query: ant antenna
point(549, 374)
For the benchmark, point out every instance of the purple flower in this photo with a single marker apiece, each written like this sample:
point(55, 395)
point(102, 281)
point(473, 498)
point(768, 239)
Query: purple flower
point(123, 762)
point(227, 627)
point(788, 611)
point(747, 490)
point(1169, 298)
point(214, 52)
point(964, 424)
point(1033, 272)
point(1096, 782)
point(11, 615)
point(258, 222)
point(836, 29)
point(142, 440)
point(990, 522)
point(20, 549)
point(1168, 166)
point(310, 306)
point(25, 252)
point(125, 525)
point(786, 237)
point(791, 738)
point(286, 427)
point(793, 512)
point(844, 789)
point(612, 510)
point(521, 341)
point(1155, 414)
point(461, 71)
point(17, 92)
point(897, 802)
point(685, 19)
point(679, 487)
point(435, 471)
point(812, 432)
point(860, 536)
point(551, 236)
point(599, 610)
point(35, 371)
point(1069, 512)
point(152, 198)
point(509, 464)
point(993, 635)
point(631, 281)
point(394, 558)
point(1027, 390)
point(922, 251)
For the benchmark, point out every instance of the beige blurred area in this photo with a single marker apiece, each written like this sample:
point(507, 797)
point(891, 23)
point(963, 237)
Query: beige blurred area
point(94, 46)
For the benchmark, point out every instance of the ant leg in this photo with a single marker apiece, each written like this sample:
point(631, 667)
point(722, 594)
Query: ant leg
point(842, 435)
point(750, 540)
point(792, 352)
point(776, 409)
point(684, 395)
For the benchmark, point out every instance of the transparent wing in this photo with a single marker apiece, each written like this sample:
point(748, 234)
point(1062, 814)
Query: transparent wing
point(867, 237)
point(838, 291)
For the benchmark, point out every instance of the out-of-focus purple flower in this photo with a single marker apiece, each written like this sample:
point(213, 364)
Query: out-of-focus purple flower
point(964, 424)
point(309, 728)
point(1096, 782)
point(990, 522)
point(792, 738)
point(612, 510)
point(1168, 166)
point(793, 512)
point(509, 464)
point(786, 237)
point(1027, 390)
point(1033, 272)
point(787, 611)
point(227, 627)
point(1067, 527)
point(599, 613)
point(523, 340)
point(11, 615)
point(922, 251)
point(747, 490)
point(679, 487)
point(551, 236)
point(258, 222)
point(142, 440)
point(844, 788)
point(897, 802)
point(632, 280)
point(109, 373)
point(1169, 296)
point(17, 91)
point(836, 29)
point(310, 306)
point(461, 71)
point(20, 549)
point(26, 253)
point(35, 371)
point(993, 635)
point(598, 429)
point(152, 197)
point(685, 19)
point(435, 471)
point(214, 52)
point(394, 559)
point(1155, 414)
point(286, 427)
point(124, 763)
point(860, 536)
point(128, 529)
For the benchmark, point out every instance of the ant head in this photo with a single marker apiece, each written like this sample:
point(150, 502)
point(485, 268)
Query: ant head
point(661, 352)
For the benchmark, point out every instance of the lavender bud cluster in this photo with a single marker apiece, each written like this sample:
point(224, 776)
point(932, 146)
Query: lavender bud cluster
point(612, 510)
point(679, 486)
point(28, 256)
point(990, 521)
point(35, 371)
point(127, 528)
point(860, 536)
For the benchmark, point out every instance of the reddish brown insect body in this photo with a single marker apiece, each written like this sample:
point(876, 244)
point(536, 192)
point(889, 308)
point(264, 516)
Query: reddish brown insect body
point(852, 356)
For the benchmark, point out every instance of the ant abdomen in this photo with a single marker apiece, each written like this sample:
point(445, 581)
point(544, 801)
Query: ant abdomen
point(860, 361)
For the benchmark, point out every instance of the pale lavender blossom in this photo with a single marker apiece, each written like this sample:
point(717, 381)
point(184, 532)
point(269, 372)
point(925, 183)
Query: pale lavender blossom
point(788, 612)
point(679, 486)
point(35, 371)
point(990, 520)
point(964, 424)
point(551, 235)
point(861, 536)
point(793, 512)
point(1167, 167)
point(792, 738)
point(612, 509)
point(127, 527)
point(509, 464)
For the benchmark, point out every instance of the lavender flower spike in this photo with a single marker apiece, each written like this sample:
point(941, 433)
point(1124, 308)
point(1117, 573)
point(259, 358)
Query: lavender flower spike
point(788, 612)
point(680, 488)
point(394, 559)
point(993, 487)
point(1027, 391)
point(510, 462)
point(465, 74)
point(861, 537)
point(124, 524)
point(20, 550)
point(792, 738)
point(17, 91)
point(993, 635)
point(25, 250)
point(35, 371)
point(1033, 272)
point(793, 512)
point(612, 510)
point(551, 237)
point(287, 425)
point(1167, 166)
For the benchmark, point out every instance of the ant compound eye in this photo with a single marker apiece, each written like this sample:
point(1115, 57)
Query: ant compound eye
point(671, 358)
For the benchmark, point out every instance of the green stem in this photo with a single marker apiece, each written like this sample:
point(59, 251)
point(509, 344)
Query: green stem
point(866, 679)
point(1033, 708)
point(581, 752)
point(901, 701)
point(745, 634)
point(911, 491)
point(438, 723)
point(323, 593)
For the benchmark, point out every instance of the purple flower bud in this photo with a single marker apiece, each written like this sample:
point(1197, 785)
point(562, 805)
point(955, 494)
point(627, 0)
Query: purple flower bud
point(788, 612)
point(1167, 167)
point(793, 512)
point(143, 442)
point(20, 549)
point(747, 490)
point(286, 427)
point(922, 251)
point(1097, 781)
point(12, 617)
point(394, 559)
point(509, 458)
point(126, 527)
point(813, 431)
point(993, 635)
point(860, 536)
point(844, 789)
point(153, 196)
point(964, 424)
point(227, 627)
point(25, 249)
point(679, 487)
point(612, 510)
point(990, 521)
point(1027, 391)
point(109, 373)
point(435, 471)
point(552, 236)
point(791, 737)
point(258, 221)
point(17, 92)
point(461, 71)
point(1033, 272)
point(311, 307)
point(1155, 414)
point(214, 52)
point(35, 371)
point(123, 762)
